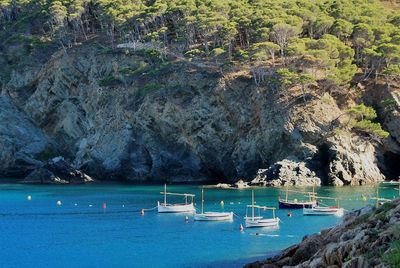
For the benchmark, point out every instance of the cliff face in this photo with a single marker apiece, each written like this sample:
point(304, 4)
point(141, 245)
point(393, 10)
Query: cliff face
point(366, 238)
point(120, 116)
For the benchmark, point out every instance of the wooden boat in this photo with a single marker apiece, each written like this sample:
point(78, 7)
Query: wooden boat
point(318, 210)
point(212, 216)
point(258, 221)
point(175, 207)
point(323, 211)
point(286, 203)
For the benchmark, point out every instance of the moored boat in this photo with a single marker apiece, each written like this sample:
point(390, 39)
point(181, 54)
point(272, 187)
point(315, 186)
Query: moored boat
point(286, 203)
point(212, 216)
point(258, 221)
point(323, 211)
point(164, 207)
point(319, 210)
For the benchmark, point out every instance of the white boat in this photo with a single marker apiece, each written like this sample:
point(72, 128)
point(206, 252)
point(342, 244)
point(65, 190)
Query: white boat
point(212, 216)
point(324, 210)
point(164, 207)
point(258, 221)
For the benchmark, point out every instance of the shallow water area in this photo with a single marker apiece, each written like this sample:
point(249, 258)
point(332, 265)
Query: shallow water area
point(81, 232)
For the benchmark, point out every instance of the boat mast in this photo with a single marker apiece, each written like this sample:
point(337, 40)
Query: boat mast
point(287, 192)
point(252, 205)
point(165, 194)
point(377, 198)
point(202, 201)
point(313, 192)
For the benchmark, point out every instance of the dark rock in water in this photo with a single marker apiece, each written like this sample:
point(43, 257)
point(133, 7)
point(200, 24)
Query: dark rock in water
point(286, 172)
point(57, 171)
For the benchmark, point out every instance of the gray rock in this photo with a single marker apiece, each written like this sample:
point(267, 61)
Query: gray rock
point(57, 171)
point(20, 141)
point(286, 172)
point(194, 124)
point(353, 161)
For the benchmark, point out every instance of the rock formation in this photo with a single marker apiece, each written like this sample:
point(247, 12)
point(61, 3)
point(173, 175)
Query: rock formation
point(114, 118)
point(57, 171)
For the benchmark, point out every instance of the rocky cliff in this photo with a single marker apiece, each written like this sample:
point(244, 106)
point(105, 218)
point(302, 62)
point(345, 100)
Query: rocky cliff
point(123, 115)
point(366, 238)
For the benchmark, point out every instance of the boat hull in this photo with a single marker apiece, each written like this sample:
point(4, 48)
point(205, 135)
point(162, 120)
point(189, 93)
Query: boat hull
point(323, 211)
point(175, 208)
point(214, 216)
point(260, 223)
point(295, 205)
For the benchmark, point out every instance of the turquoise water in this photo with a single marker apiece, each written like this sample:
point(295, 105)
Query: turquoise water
point(80, 233)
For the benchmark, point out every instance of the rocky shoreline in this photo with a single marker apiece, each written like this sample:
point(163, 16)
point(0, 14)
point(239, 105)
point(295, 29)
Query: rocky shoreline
point(367, 237)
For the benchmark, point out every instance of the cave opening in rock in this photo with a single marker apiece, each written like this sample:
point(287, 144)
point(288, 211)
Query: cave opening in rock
point(392, 165)
point(322, 159)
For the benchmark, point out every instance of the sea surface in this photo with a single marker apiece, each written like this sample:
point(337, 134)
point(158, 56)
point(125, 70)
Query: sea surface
point(82, 233)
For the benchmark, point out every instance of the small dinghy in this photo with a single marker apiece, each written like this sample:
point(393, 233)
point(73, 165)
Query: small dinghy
point(176, 207)
point(286, 203)
point(319, 210)
point(258, 221)
point(212, 216)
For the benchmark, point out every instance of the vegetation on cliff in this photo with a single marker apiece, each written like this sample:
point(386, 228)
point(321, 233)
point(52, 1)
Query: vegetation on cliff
point(327, 39)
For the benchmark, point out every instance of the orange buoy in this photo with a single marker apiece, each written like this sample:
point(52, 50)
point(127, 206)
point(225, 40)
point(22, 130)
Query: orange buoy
point(142, 212)
point(241, 227)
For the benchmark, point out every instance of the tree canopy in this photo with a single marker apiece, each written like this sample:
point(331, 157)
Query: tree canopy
point(331, 36)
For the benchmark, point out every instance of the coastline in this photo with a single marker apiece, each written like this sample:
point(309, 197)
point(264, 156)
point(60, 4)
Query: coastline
point(347, 244)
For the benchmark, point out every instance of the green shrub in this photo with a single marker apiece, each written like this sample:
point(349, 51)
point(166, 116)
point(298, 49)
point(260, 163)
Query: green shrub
point(109, 80)
point(371, 127)
point(393, 256)
point(150, 87)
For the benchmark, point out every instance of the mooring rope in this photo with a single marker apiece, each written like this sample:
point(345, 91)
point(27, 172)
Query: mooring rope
point(149, 209)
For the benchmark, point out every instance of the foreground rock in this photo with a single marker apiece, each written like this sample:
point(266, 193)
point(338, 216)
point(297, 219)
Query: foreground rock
point(57, 171)
point(366, 238)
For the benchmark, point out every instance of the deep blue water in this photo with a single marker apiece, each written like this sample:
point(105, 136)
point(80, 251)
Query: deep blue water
point(79, 233)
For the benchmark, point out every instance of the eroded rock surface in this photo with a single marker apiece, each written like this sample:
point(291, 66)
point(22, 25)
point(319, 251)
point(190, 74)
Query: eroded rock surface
point(57, 171)
point(179, 122)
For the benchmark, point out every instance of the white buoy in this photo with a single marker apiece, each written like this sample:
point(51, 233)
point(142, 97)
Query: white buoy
point(58, 203)
point(29, 198)
point(90, 206)
point(123, 206)
point(76, 204)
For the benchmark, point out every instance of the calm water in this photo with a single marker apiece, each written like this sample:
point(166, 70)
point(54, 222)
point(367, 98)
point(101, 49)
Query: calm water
point(79, 233)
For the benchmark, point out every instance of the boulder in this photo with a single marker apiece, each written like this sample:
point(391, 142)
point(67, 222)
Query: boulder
point(286, 172)
point(57, 171)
